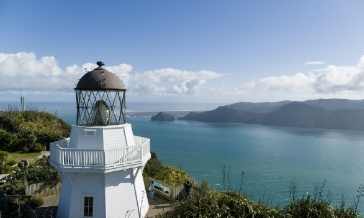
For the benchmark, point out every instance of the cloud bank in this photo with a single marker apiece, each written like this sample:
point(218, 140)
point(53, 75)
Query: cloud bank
point(332, 81)
point(26, 72)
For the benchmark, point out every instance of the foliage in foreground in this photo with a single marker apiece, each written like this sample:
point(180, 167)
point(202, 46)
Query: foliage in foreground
point(166, 174)
point(30, 130)
point(13, 200)
point(311, 207)
point(207, 203)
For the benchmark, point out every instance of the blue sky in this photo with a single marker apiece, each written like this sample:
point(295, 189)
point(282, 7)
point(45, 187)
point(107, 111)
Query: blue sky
point(244, 42)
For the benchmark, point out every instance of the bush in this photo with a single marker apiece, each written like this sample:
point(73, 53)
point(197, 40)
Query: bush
point(7, 124)
point(208, 203)
point(30, 130)
point(315, 208)
point(166, 174)
point(11, 163)
point(39, 147)
point(153, 167)
point(35, 202)
point(6, 140)
point(41, 171)
point(220, 204)
point(25, 141)
point(3, 160)
point(172, 176)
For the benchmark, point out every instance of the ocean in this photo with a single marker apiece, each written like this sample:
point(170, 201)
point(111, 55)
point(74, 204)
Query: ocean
point(271, 159)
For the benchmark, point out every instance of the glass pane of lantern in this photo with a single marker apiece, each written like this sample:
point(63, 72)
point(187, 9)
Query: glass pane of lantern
point(102, 113)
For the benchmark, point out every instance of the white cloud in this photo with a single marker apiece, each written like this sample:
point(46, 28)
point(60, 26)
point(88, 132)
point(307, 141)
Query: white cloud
point(171, 81)
point(314, 63)
point(328, 82)
point(26, 72)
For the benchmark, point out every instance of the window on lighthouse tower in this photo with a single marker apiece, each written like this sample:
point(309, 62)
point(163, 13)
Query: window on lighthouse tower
point(88, 209)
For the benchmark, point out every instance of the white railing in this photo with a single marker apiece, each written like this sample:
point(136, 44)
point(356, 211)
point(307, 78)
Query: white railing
point(65, 157)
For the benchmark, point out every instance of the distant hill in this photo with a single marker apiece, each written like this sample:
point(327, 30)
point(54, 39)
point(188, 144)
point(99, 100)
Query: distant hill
point(163, 116)
point(321, 113)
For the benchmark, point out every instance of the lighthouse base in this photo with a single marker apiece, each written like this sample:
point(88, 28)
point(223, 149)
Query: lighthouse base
point(117, 194)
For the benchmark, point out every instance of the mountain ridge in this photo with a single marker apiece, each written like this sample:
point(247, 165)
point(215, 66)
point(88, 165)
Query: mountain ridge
point(318, 113)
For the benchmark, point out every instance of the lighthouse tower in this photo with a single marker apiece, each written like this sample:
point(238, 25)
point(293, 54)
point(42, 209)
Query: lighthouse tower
point(101, 164)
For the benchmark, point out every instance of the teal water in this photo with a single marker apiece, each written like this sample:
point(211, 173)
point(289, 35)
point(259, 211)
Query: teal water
point(272, 158)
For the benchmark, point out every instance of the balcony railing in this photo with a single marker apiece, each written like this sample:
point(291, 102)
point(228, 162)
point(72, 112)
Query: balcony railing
point(71, 158)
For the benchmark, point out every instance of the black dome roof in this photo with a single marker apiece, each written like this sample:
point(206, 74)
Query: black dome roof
point(100, 79)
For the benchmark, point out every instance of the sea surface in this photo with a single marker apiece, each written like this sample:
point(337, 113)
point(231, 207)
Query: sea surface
point(264, 161)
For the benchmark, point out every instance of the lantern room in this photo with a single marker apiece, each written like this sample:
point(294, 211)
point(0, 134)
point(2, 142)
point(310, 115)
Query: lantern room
point(100, 98)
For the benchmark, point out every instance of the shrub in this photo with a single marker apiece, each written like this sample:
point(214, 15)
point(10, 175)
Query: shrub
point(172, 176)
point(38, 147)
point(208, 203)
point(30, 130)
point(3, 160)
point(6, 140)
point(7, 124)
point(153, 167)
point(35, 202)
point(166, 174)
point(41, 171)
point(11, 163)
point(25, 141)
point(316, 208)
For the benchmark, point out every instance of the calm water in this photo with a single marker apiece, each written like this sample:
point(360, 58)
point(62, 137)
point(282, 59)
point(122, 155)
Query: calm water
point(271, 157)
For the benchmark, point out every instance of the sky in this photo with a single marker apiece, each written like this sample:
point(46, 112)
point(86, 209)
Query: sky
point(185, 51)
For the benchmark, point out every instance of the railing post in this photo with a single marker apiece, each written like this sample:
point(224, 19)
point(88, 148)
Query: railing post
point(65, 156)
point(103, 158)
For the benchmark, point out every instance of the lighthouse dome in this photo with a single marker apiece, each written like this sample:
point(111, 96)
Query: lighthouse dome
point(100, 79)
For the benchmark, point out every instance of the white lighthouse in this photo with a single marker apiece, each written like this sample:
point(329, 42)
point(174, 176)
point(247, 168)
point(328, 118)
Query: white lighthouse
point(101, 164)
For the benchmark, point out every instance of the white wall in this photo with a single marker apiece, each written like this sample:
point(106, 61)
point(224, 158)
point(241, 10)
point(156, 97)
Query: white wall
point(114, 194)
point(86, 137)
point(120, 196)
point(102, 137)
point(75, 186)
point(141, 193)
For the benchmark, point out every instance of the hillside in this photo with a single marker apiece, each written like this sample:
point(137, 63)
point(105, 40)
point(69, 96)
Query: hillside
point(321, 113)
point(30, 130)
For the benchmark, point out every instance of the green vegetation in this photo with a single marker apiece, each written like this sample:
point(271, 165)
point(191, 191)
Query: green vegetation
point(312, 207)
point(30, 131)
point(22, 136)
point(13, 199)
point(4, 166)
point(209, 203)
point(38, 172)
point(18, 156)
point(166, 174)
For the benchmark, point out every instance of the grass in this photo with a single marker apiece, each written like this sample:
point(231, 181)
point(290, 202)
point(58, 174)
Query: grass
point(18, 156)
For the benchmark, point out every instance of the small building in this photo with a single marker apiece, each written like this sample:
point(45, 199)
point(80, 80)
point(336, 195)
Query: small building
point(101, 164)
